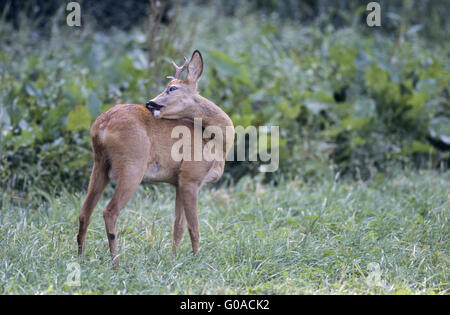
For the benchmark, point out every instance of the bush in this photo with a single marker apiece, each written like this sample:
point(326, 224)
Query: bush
point(360, 102)
point(343, 98)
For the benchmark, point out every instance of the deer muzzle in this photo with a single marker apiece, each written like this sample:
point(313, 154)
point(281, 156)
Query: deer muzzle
point(154, 108)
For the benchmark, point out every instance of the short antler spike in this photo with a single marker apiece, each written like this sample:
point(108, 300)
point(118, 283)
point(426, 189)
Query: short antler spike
point(179, 70)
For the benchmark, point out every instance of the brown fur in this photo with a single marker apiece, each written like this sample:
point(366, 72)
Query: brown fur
point(130, 146)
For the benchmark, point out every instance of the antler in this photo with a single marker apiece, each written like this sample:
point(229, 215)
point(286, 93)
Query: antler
point(179, 70)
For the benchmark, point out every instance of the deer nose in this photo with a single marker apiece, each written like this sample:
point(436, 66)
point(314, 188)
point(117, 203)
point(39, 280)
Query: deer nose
point(153, 105)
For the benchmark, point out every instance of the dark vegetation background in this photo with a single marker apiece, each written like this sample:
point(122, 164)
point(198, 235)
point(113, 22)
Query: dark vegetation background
point(359, 100)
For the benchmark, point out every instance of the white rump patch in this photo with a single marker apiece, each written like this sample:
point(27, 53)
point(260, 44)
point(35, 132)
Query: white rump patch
point(102, 133)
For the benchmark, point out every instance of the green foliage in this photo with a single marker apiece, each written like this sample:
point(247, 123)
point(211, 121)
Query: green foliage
point(79, 119)
point(343, 98)
point(340, 98)
point(255, 239)
point(52, 90)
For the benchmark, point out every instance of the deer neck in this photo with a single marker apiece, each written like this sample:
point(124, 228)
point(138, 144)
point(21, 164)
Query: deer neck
point(213, 115)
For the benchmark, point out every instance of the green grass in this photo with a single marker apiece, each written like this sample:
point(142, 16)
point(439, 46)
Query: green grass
point(321, 238)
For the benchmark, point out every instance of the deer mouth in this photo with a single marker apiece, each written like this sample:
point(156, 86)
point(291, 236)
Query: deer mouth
point(154, 108)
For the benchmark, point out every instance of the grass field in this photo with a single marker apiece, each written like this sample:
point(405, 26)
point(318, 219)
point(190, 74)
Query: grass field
point(388, 236)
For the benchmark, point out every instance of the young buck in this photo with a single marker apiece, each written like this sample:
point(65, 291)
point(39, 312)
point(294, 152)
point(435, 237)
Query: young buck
point(132, 143)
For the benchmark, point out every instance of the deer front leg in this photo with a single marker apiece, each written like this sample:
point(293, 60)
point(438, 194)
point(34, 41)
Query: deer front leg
point(179, 223)
point(189, 195)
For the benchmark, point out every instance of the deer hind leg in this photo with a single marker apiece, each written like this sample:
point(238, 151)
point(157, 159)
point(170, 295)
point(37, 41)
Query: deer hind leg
point(180, 221)
point(99, 180)
point(128, 181)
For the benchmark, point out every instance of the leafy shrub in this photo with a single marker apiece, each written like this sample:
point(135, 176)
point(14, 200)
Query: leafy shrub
point(342, 99)
point(51, 92)
point(338, 97)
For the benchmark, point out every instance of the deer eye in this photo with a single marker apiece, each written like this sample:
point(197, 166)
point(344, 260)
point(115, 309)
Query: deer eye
point(172, 88)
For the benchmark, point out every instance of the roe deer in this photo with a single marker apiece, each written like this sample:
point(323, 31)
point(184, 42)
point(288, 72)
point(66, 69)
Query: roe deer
point(132, 143)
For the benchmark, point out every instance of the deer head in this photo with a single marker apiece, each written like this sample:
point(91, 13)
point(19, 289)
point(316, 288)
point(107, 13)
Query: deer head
point(180, 98)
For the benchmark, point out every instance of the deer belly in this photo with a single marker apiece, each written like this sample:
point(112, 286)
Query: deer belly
point(156, 173)
point(215, 173)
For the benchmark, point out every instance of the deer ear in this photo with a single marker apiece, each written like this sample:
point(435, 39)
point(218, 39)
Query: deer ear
point(195, 68)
